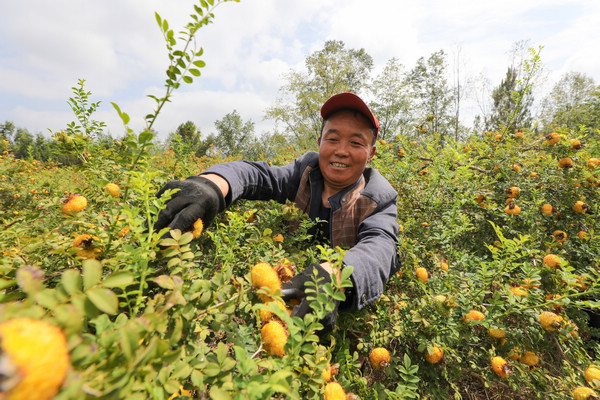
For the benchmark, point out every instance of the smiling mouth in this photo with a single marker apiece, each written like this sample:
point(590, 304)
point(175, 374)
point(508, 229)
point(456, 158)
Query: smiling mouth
point(339, 165)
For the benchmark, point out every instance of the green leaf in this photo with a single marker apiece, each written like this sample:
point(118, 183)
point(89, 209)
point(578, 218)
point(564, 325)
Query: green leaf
point(165, 282)
point(118, 279)
point(46, 298)
point(104, 299)
point(188, 79)
point(199, 64)
point(71, 281)
point(219, 394)
point(194, 71)
point(158, 18)
point(92, 273)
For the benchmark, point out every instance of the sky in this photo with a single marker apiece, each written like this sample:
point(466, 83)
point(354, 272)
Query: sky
point(117, 47)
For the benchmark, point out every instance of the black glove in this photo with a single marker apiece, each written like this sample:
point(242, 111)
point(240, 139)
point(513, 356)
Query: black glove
point(198, 197)
point(295, 289)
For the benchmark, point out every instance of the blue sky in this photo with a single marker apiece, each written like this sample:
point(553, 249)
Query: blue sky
point(45, 47)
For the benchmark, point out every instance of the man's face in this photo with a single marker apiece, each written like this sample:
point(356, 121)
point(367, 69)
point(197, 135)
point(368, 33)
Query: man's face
point(345, 147)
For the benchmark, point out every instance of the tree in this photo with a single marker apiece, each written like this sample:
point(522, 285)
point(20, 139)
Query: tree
point(571, 102)
point(329, 71)
point(234, 136)
point(434, 97)
point(392, 104)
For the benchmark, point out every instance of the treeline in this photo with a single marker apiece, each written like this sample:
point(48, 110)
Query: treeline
point(424, 101)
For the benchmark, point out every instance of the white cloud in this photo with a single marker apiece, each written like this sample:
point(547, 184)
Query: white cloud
point(116, 46)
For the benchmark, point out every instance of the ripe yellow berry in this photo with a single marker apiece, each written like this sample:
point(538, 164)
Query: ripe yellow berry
point(264, 277)
point(436, 355)
point(278, 238)
point(113, 189)
point(518, 291)
point(559, 236)
point(473, 315)
point(266, 315)
point(334, 391)
point(501, 367)
point(580, 207)
point(584, 393)
point(550, 321)
point(380, 357)
point(592, 163)
point(274, 337)
point(422, 274)
point(529, 358)
point(74, 204)
point(591, 374)
point(552, 138)
point(552, 260)
point(512, 209)
point(198, 228)
point(565, 163)
point(547, 209)
point(37, 359)
point(583, 235)
point(513, 192)
point(497, 333)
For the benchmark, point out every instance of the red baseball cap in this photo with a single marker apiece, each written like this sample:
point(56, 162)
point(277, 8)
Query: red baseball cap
point(350, 101)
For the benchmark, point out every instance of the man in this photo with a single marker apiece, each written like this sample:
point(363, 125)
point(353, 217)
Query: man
point(335, 185)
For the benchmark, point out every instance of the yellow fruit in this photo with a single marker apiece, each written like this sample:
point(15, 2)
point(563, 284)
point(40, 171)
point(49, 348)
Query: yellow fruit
point(580, 207)
point(547, 209)
point(513, 192)
point(444, 266)
point(550, 321)
point(516, 353)
point(501, 367)
point(278, 238)
point(497, 333)
point(533, 175)
point(198, 228)
point(422, 274)
point(512, 209)
point(552, 138)
point(74, 204)
point(437, 353)
point(584, 393)
point(565, 163)
point(274, 337)
point(592, 374)
point(380, 357)
point(473, 315)
point(529, 358)
point(592, 163)
point(583, 235)
point(266, 315)
point(519, 134)
point(113, 189)
point(34, 357)
point(559, 236)
point(264, 277)
point(552, 260)
point(334, 391)
point(518, 291)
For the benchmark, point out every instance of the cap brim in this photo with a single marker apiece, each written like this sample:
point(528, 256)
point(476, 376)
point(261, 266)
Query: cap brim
point(349, 101)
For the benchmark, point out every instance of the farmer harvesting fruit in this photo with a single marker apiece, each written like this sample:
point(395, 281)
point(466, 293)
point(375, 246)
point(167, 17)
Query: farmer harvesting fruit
point(356, 203)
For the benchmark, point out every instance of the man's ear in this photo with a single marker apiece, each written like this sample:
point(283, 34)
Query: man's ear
point(373, 150)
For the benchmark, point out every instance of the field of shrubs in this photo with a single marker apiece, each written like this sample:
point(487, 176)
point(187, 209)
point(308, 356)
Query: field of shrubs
point(496, 296)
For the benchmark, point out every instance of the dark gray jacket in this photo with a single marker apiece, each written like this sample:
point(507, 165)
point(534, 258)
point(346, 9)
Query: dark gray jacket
point(363, 215)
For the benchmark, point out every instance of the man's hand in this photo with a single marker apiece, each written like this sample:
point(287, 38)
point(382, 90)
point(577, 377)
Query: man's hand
point(197, 197)
point(296, 289)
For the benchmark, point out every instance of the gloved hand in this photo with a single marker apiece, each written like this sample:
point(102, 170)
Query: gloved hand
point(198, 197)
point(296, 289)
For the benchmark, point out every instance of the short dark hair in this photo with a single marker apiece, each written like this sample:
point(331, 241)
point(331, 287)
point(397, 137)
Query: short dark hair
point(355, 112)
